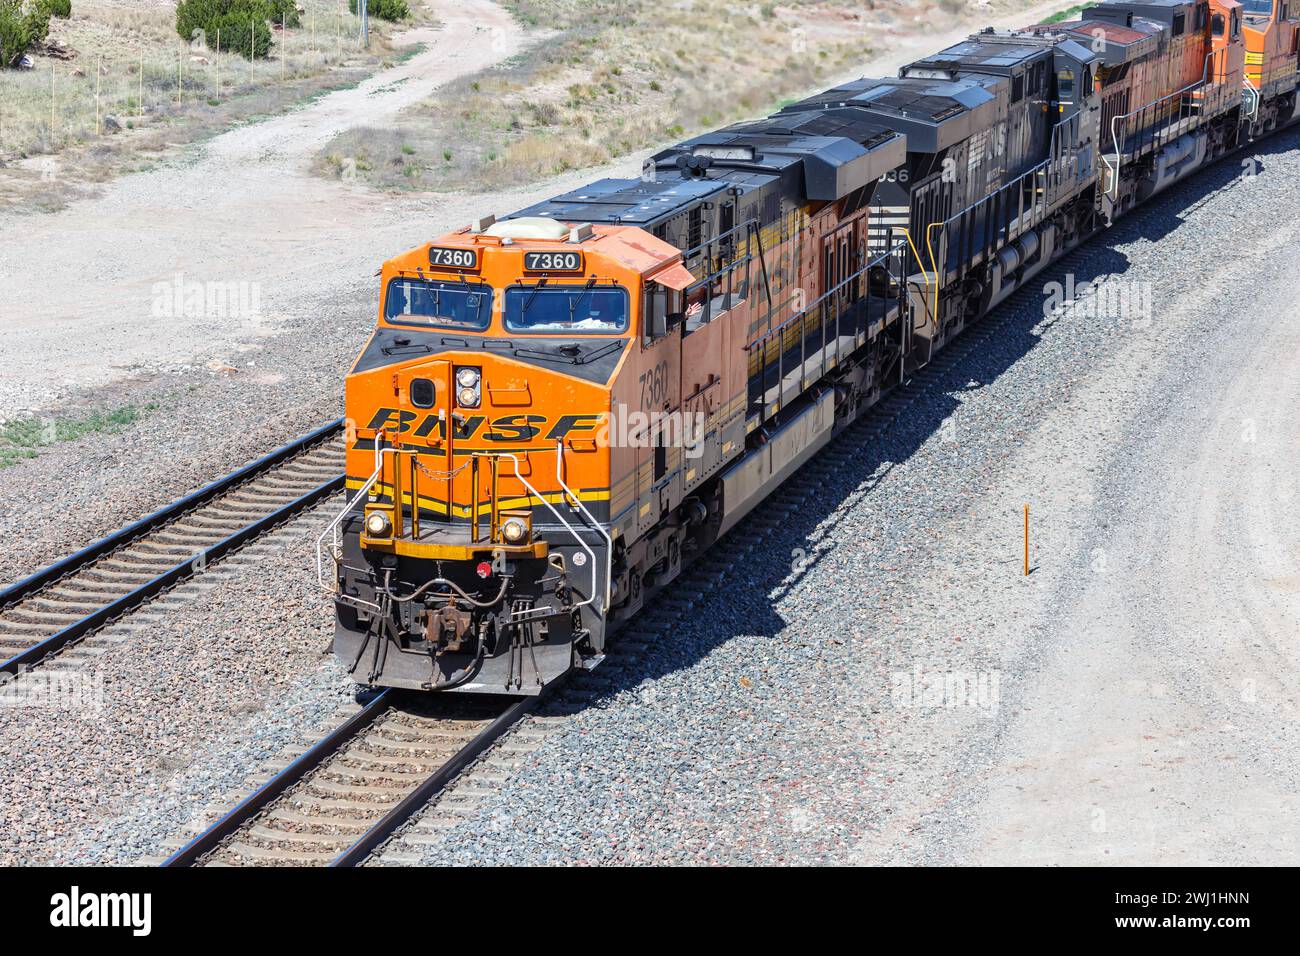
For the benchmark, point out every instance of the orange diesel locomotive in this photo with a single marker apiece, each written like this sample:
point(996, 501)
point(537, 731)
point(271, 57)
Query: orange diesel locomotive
point(556, 410)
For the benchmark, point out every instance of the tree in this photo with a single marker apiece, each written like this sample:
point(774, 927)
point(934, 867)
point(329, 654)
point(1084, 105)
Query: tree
point(23, 25)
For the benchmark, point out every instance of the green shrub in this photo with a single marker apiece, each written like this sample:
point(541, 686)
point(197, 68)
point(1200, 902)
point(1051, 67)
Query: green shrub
point(23, 25)
point(58, 8)
point(393, 10)
point(240, 24)
point(238, 33)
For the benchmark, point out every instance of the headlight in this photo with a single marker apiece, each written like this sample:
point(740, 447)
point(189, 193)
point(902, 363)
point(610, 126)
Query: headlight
point(378, 525)
point(514, 530)
point(470, 392)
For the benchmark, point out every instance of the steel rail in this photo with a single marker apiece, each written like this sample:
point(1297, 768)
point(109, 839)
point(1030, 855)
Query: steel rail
point(319, 755)
point(259, 799)
point(417, 799)
point(75, 562)
point(185, 568)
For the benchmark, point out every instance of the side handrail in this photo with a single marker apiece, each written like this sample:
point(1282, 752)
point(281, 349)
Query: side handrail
point(838, 289)
point(1114, 130)
point(331, 529)
point(1058, 151)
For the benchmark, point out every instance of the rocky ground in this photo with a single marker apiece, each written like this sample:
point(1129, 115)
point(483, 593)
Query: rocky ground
point(1130, 701)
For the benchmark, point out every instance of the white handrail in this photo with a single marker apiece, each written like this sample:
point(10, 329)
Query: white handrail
point(1114, 133)
point(331, 530)
point(609, 541)
point(332, 527)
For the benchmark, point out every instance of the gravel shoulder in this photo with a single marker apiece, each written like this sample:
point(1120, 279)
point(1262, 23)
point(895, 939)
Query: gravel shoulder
point(179, 707)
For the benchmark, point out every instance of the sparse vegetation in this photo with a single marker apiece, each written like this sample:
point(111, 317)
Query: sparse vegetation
point(585, 96)
point(237, 26)
point(22, 438)
point(1068, 14)
point(154, 89)
point(615, 77)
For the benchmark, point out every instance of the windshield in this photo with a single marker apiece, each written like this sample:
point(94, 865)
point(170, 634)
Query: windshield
point(566, 308)
point(443, 305)
point(1258, 6)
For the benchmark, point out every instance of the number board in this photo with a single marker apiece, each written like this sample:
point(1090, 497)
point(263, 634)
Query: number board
point(552, 261)
point(444, 258)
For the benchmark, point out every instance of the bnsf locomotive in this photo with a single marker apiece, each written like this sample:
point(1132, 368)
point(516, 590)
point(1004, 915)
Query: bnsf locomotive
point(560, 407)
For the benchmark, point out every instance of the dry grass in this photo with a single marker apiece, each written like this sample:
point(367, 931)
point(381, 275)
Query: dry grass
point(132, 70)
point(616, 77)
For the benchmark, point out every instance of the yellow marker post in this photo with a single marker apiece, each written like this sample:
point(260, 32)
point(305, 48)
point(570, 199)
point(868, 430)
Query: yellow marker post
point(1026, 540)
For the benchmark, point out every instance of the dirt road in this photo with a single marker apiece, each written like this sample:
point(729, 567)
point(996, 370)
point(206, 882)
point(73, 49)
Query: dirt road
point(243, 209)
point(1161, 726)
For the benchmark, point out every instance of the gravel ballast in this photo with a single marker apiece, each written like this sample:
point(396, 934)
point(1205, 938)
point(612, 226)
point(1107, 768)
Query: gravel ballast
point(177, 712)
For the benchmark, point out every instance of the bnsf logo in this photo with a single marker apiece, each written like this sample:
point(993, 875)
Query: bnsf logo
point(507, 428)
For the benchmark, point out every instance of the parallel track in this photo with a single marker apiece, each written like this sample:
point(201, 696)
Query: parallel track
point(60, 605)
point(356, 787)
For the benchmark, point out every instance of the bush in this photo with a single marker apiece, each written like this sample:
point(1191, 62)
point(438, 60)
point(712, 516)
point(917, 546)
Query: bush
point(238, 33)
point(22, 26)
point(393, 10)
point(58, 8)
point(241, 24)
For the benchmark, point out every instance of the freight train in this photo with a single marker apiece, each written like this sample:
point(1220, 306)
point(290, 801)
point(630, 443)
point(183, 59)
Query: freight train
point(560, 407)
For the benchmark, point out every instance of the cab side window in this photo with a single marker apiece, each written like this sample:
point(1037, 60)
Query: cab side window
point(1065, 86)
point(663, 307)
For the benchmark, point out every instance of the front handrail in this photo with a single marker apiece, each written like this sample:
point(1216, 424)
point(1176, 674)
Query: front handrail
point(577, 502)
point(1251, 92)
point(331, 530)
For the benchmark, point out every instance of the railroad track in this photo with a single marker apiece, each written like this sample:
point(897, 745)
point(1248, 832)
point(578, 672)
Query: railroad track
point(360, 784)
point(60, 605)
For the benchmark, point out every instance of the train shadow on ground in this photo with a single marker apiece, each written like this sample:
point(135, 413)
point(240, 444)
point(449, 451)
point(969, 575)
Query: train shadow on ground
point(788, 552)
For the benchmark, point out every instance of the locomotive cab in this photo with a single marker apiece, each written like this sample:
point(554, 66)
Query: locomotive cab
point(474, 553)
